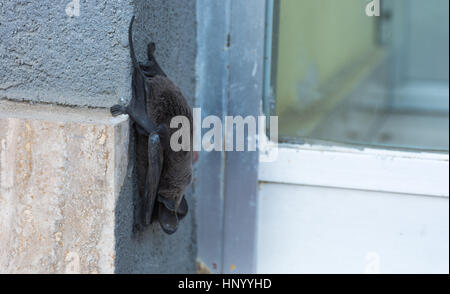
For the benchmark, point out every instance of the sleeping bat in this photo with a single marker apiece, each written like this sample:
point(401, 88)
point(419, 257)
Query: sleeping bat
point(162, 173)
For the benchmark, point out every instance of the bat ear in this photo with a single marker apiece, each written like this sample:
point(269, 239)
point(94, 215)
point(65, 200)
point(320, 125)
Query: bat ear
point(151, 47)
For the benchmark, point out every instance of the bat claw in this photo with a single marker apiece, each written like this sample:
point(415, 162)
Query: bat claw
point(117, 110)
point(151, 47)
point(182, 209)
point(168, 220)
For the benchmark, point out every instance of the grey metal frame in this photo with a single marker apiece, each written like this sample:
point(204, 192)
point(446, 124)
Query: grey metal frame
point(270, 58)
point(230, 77)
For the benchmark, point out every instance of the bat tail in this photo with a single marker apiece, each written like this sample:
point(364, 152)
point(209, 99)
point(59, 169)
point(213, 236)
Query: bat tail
point(117, 110)
point(130, 40)
point(132, 52)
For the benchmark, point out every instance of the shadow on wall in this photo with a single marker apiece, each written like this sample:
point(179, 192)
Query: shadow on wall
point(150, 251)
point(171, 25)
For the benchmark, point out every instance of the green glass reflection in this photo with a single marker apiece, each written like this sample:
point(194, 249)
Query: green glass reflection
point(340, 75)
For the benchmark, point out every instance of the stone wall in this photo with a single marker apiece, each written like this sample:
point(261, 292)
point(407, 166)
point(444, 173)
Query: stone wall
point(66, 185)
point(61, 172)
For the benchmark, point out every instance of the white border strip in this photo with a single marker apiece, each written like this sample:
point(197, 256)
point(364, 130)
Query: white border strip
point(363, 169)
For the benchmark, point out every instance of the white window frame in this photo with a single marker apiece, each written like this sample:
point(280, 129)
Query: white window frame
point(368, 168)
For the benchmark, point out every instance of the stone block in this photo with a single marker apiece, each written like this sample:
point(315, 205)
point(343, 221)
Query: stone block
point(61, 172)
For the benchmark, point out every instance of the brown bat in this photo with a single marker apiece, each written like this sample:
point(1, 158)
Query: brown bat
point(162, 173)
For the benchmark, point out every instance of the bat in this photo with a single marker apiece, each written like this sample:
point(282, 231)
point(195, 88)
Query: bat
point(162, 173)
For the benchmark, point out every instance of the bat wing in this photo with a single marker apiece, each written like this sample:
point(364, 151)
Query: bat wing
point(140, 87)
point(155, 165)
point(137, 107)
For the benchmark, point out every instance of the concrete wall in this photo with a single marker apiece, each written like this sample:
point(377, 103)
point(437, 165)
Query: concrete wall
point(83, 60)
point(48, 56)
point(171, 24)
point(51, 57)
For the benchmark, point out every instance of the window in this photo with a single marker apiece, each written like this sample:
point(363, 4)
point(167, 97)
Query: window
point(339, 75)
point(362, 105)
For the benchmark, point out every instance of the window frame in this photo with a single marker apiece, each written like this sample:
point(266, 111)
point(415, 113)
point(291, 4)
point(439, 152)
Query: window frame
point(226, 192)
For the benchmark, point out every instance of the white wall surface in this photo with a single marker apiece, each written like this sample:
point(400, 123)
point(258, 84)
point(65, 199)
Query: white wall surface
point(304, 229)
point(332, 209)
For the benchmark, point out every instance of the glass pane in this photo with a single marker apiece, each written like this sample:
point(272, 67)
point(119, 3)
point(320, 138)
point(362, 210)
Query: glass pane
point(340, 75)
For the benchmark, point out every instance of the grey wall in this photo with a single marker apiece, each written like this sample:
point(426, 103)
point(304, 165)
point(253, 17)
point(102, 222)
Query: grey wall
point(47, 56)
point(171, 24)
point(51, 57)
